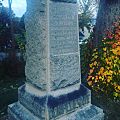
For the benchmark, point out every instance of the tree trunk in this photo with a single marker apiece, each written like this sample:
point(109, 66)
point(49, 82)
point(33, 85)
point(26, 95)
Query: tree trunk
point(108, 13)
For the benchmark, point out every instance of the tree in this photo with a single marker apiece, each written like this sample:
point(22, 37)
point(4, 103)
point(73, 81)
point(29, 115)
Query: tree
point(5, 37)
point(11, 15)
point(87, 13)
point(88, 6)
point(108, 13)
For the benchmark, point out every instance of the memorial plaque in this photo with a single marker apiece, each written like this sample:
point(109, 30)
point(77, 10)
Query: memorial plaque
point(64, 51)
point(63, 28)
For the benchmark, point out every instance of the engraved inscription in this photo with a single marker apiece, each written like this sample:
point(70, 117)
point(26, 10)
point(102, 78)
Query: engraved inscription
point(68, 107)
point(63, 28)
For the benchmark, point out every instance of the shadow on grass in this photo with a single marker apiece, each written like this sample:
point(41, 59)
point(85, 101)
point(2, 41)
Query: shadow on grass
point(9, 93)
point(111, 107)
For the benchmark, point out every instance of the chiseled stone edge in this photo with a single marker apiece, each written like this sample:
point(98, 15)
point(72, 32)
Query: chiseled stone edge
point(18, 112)
point(55, 101)
point(67, 1)
point(68, 102)
point(90, 112)
point(35, 104)
point(42, 87)
point(68, 107)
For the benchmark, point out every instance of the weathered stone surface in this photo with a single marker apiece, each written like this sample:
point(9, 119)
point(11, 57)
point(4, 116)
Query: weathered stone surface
point(48, 37)
point(64, 51)
point(55, 105)
point(89, 112)
point(19, 112)
point(36, 5)
point(63, 28)
point(64, 71)
point(36, 71)
point(53, 66)
point(36, 46)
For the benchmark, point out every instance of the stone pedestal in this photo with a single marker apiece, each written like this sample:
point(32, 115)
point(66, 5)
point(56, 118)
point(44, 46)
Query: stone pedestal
point(53, 89)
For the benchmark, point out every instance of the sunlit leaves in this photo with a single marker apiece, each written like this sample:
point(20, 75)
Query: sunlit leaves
point(104, 73)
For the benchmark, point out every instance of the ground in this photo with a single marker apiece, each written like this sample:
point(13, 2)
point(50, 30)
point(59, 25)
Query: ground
point(8, 95)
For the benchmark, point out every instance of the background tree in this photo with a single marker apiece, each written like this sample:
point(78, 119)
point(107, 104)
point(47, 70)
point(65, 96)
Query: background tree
point(109, 11)
point(87, 13)
point(12, 39)
point(4, 29)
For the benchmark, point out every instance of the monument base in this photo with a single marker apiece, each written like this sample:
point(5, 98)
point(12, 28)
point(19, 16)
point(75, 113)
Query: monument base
point(75, 105)
point(19, 112)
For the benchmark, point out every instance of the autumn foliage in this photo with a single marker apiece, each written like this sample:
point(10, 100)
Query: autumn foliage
point(104, 73)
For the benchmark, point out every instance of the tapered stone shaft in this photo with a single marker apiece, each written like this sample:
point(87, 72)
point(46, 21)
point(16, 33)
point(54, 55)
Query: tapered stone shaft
point(53, 89)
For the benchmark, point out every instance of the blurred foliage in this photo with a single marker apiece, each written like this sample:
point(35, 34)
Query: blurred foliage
point(85, 20)
point(13, 63)
point(104, 73)
point(86, 48)
point(18, 29)
point(87, 13)
point(12, 68)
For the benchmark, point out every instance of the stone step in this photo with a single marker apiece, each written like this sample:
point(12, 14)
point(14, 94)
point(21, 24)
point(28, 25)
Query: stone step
point(18, 112)
point(90, 112)
point(56, 106)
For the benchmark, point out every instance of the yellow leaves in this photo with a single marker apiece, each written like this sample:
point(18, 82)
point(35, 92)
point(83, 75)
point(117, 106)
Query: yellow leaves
point(95, 63)
point(109, 78)
point(96, 77)
point(113, 57)
point(96, 56)
point(100, 77)
point(116, 94)
point(95, 50)
point(89, 77)
point(105, 65)
point(104, 49)
point(119, 87)
point(91, 71)
point(101, 70)
point(116, 51)
point(116, 48)
point(107, 61)
point(90, 83)
point(91, 65)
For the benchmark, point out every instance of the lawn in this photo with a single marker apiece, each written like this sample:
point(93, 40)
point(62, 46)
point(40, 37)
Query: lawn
point(8, 92)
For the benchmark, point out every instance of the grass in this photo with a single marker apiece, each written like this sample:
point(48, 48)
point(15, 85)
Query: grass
point(111, 107)
point(8, 92)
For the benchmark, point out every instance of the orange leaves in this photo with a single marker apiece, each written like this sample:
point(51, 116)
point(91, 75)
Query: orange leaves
point(95, 63)
point(116, 51)
point(114, 45)
point(101, 70)
point(89, 77)
point(105, 64)
point(91, 71)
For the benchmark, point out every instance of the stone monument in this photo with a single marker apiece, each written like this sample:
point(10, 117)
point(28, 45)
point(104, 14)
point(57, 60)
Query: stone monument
point(53, 89)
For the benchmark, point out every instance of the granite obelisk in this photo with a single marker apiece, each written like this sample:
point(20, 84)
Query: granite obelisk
point(53, 89)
